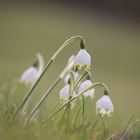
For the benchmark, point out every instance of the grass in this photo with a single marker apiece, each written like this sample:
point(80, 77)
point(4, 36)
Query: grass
point(57, 127)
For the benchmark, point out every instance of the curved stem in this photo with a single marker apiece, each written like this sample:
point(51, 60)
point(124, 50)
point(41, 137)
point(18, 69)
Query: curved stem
point(104, 127)
point(79, 79)
point(66, 43)
point(75, 120)
point(43, 98)
point(72, 99)
point(41, 64)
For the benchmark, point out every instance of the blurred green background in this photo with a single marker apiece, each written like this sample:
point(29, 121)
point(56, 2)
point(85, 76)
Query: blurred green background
point(114, 45)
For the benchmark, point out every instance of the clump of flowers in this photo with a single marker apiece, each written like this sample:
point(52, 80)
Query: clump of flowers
point(78, 85)
point(78, 82)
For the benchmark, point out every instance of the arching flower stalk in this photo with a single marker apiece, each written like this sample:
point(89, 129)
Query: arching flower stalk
point(28, 95)
point(93, 86)
point(77, 84)
point(29, 77)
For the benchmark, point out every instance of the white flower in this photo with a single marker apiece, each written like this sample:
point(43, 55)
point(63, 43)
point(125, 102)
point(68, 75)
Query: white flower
point(104, 106)
point(67, 77)
point(83, 86)
point(64, 93)
point(82, 60)
point(31, 74)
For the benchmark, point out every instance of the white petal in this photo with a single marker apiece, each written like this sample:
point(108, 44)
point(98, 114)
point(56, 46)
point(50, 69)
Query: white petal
point(83, 58)
point(64, 93)
point(74, 94)
point(105, 103)
point(86, 84)
point(66, 78)
point(29, 76)
point(91, 93)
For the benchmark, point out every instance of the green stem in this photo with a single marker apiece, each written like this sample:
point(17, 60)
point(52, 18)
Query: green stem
point(74, 98)
point(83, 105)
point(43, 98)
point(66, 43)
point(79, 79)
point(74, 124)
point(94, 125)
point(68, 115)
point(105, 130)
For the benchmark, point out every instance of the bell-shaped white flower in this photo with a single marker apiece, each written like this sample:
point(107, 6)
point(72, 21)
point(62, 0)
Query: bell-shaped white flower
point(67, 77)
point(104, 106)
point(83, 86)
point(65, 93)
point(82, 60)
point(31, 74)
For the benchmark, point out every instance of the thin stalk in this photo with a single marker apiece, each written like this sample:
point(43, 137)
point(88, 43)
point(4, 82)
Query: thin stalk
point(68, 108)
point(79, 79)
point(83, 108)
point(74, 124)
point(68, 115)
point(44, 97)
point(74, 98)
point(130, 128)
point(66, 43)
point(126, 126)
point(73, 85)
point(95, 123)
point(104, 127)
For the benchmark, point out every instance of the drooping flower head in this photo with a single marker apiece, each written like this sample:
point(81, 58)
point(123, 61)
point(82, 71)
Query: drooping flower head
point(65, 93)
point(83, 86)
point(104, 106)
point(67, 77)
point(31, 74)
point(82, 60)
